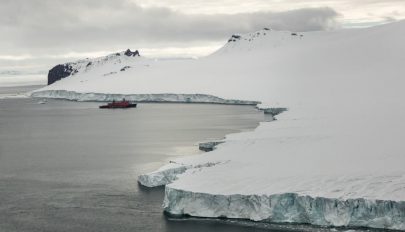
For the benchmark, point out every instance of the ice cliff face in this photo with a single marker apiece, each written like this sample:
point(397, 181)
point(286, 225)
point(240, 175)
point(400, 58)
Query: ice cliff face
point(209, 146)
point(61, 71)
point(104, 97)
point(288, 208)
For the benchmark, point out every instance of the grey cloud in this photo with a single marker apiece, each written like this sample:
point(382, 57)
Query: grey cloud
point(55, 26)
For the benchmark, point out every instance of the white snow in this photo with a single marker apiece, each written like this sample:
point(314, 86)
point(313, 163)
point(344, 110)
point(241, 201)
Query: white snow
point(169, 173)
point(336, 157)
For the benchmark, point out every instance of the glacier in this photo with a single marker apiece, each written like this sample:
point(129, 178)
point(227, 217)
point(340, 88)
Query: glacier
point(167, 97)
point(333, 157)
point(288, 208)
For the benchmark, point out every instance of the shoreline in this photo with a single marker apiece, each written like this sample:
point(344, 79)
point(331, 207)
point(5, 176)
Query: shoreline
point(139, 98)
point(153, 135)
point(284, 208)
point(318, 211)
point(170, 172)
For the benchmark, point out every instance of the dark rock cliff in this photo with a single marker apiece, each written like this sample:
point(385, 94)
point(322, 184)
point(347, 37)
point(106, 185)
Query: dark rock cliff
point(60, 71)
point(130, 53)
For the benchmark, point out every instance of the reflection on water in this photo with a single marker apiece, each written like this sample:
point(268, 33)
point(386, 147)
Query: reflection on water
point(68, 166)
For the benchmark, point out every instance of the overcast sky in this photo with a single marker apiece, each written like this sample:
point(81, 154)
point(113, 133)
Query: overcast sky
point(38, 33)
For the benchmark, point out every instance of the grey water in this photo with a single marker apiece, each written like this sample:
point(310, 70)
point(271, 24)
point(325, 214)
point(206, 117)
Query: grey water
point(69, 166)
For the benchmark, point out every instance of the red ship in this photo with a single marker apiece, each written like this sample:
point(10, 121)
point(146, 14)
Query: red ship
point(118, 104)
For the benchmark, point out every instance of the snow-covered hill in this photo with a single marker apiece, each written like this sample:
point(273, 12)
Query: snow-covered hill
point(264, 39)
point(106, 65)
point(335, 158)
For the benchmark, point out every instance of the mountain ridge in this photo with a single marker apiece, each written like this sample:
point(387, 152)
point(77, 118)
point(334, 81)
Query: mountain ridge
point(61, 71)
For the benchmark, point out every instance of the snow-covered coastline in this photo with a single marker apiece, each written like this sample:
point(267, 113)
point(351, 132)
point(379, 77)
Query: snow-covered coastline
point(334, 159)
point(309, 198)
point(321, 200)
point(288, 208)
point(172, 98)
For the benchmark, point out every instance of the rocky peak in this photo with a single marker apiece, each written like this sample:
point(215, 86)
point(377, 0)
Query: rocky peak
point(234, 38)
point(128, 52)
point(61, 71)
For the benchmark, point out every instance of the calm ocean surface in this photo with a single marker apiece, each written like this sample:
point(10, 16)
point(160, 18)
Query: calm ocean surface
point(68, 166)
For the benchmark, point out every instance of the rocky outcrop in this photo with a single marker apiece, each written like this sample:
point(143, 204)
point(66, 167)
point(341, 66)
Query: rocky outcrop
point(125, 68)
point(128, 52)
point(234, 38)
point(60, 71)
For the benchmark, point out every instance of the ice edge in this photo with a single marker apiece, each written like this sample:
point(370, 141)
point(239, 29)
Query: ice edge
point(277, 208)
point(288, 208)
point(280, 208)
point(162, 97)
point(168, 173)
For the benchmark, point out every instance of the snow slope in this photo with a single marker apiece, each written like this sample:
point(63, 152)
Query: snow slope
point(335, 158)
point(113, 63)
